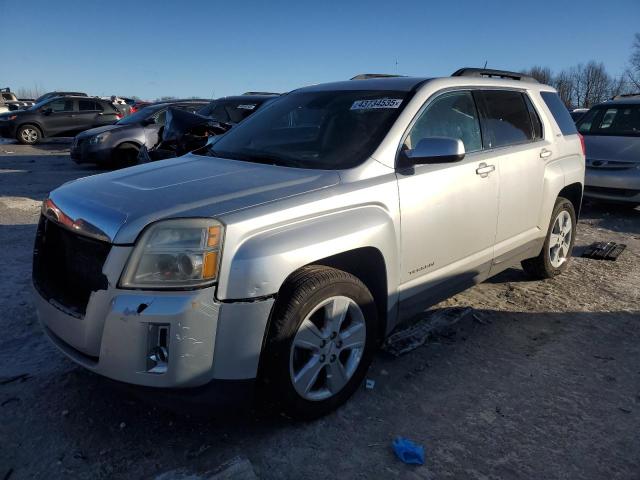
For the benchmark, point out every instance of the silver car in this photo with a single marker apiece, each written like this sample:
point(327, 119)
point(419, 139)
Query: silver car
point(612, 137)
point(278, 259)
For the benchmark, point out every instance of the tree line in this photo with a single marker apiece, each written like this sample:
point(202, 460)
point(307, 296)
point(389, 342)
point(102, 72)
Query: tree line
point(588, 84)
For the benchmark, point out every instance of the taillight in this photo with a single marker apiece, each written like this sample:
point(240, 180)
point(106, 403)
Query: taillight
point(118, 116)
point(584, 148)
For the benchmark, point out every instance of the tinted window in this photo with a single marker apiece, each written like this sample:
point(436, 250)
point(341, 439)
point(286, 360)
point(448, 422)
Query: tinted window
point(85, 105)
point(619, 120)
point(559, 112)
point(506, 120)
point(339, 129)
point(61, 105)
point(451, 115)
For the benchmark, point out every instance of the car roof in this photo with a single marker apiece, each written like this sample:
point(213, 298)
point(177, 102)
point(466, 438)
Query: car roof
point(403, 84)
point(407, 84)
point(620, 102)
point(247, 98)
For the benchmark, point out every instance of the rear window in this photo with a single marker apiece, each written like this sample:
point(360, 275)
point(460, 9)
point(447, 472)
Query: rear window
point(617, 120)
point(89, 105)
point(559, 112)
point(507, 120)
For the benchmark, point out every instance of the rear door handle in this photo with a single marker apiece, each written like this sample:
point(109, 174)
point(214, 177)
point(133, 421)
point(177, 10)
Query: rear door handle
point(544, 153)
point(484, 170)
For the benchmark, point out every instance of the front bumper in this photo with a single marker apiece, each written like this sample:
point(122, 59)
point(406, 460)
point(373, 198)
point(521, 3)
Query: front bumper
point(83, 152)
point(619, 185)
point(207, 340)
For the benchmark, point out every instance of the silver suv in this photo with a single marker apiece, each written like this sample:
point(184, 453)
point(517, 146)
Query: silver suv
point(282, 254)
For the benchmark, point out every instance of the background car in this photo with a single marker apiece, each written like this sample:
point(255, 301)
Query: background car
point(9, 102)
point(118, 145)
point(577, 113)
point(58, 117)
point(185, 133)
point(611, 133)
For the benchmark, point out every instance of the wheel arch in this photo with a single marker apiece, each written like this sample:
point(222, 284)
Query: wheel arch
point(368, 265)
point(573, 193)
point(33, 124)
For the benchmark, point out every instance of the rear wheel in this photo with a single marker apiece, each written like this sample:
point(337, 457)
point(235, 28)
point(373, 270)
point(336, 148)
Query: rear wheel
point(28, 134)
point(558, 244)
point(321, 341)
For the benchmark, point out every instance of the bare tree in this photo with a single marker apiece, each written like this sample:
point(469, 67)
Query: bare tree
point(542, 74)
point(633, 72)
point(592, 84)
point(565, 85)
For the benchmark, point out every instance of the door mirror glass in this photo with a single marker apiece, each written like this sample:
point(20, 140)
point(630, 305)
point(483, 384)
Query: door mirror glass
point(436, 150)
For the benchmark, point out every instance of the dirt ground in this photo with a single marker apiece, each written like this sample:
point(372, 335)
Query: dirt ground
point(546, 386)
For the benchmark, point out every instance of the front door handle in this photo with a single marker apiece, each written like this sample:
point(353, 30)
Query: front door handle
point(544, 153)
point(484, 170)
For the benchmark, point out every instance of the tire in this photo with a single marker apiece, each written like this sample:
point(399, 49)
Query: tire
point(28, 134)
point(294, 354)
point(124, 155)
point(556, 252)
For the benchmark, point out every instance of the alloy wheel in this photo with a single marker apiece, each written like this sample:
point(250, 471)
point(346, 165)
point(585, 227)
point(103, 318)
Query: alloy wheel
point(327, 348)
point(560, 239)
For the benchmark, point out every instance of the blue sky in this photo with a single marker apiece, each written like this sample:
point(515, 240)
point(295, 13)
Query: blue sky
point(205, 48)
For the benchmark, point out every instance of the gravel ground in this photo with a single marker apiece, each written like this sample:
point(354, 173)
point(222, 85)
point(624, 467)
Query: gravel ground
point(545, 386)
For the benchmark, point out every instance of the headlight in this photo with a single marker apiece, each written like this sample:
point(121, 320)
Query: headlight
point(178, 253)
point(97, 138)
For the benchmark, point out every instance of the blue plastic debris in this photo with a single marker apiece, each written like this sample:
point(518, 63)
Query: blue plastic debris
point(408, 452)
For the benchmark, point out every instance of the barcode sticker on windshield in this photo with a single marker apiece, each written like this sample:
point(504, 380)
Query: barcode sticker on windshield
point(247, 106)
point(379, 103)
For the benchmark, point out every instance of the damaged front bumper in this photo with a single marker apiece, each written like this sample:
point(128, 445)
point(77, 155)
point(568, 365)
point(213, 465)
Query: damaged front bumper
point(174, 340)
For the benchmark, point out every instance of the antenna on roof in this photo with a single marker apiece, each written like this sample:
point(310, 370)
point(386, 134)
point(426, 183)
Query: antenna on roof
point(485, 64)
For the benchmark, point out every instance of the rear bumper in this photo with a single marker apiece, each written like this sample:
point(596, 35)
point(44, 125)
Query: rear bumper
point(613, 185)
point(7, 131)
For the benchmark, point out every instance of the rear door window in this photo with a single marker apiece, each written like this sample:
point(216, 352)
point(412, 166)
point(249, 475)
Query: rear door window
point(559, 112)
point(506, 120)
point(87, 105)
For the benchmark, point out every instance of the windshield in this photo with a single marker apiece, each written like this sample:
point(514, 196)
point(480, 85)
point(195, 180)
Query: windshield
point(230, 111)
point(617, 120)
point(325, 130)
point(139, 116)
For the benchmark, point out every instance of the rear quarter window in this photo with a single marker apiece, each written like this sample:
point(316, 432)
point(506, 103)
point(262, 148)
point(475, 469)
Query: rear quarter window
point(560, 113)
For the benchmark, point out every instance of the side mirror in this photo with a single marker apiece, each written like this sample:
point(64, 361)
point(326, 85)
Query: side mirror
point(436, 150)
point(148, 121)
point(47, 110)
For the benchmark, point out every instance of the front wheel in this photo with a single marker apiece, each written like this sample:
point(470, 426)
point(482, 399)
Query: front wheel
point(28, 135)
point(321, 341)
point(558, 244)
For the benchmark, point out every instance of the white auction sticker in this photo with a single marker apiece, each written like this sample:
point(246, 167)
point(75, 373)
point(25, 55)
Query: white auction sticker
point(378, 103)
point(247, 107)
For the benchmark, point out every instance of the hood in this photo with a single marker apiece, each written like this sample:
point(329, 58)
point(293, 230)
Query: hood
point(612, 149)
point(107, 128)
point(121, 203)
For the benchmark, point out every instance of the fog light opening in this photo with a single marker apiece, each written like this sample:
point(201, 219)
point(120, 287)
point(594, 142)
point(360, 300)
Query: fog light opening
point(158, 348)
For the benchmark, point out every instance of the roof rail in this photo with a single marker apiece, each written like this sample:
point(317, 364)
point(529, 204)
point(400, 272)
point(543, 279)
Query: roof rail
point(365, 76)
point(5, 90)
point(260, 93)
point(490, 73)
point(625, 95)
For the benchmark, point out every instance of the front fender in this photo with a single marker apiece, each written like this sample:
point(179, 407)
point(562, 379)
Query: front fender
point(260, 264)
